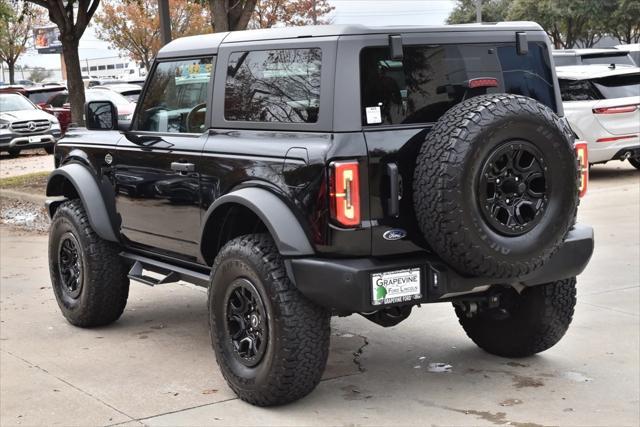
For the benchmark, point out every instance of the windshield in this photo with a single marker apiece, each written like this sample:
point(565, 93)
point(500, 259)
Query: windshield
point(619, 86)
point(106, 95)
point(14, 102)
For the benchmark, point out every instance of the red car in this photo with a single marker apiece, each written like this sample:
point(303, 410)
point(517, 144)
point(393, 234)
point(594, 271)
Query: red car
point(41, 96)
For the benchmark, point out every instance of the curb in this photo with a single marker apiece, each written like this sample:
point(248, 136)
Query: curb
point(37, 199)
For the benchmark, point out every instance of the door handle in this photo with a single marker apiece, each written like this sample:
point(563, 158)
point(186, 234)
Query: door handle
point(183, 167)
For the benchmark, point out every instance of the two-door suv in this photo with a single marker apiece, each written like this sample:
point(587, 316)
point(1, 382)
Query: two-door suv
point(300, 173)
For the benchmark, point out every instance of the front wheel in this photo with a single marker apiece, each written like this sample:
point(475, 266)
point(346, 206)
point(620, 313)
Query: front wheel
point(526, 323)
point(271, 343)
point(88, 276)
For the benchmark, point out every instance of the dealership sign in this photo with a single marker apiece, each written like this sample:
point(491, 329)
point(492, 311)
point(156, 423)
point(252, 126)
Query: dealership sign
point(47, 39)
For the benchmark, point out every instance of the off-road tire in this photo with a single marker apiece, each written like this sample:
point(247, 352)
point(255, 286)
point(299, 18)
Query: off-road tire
point(539, 320)
point(105, 285)
point(298, 330)
point(448, 170)
point(14, 152)
point(634, 162)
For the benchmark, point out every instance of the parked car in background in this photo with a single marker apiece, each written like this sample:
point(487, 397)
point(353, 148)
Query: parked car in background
point(602, 106)
point(40, 96)
point(23, 125)
point(129, 91)
point(124, 106)
point(139, 82)
point(591, 56)
point(633, 50)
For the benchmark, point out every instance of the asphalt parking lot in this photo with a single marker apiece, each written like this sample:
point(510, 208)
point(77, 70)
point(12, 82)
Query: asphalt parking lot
point(155, 365)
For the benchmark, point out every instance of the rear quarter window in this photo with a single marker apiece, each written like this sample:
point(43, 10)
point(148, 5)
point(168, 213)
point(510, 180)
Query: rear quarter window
point(433, 78)
point(273, 86)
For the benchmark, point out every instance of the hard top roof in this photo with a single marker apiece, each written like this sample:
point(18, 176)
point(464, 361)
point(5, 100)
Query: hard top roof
point(588, 51)
point(209, 43)
point(593, 71)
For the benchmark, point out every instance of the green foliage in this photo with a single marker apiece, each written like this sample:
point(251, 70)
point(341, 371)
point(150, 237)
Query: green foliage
point(492, 11)
point(569, 23)
point(38, 74)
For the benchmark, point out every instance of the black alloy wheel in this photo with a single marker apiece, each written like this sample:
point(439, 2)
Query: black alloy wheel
point(70, 265)
point(246, 322)
point(512, 189)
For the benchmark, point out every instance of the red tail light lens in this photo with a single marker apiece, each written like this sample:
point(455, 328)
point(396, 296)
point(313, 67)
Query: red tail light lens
point(616, 110)
point(615, 138)
point(582, 153)
point(482, 82)
point(345, 193)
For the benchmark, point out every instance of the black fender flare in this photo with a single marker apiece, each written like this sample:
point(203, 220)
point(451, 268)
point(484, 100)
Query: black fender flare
point(289, 236)
point(90, 194)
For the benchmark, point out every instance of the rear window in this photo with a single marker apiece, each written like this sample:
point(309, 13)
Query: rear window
point(433, 78)
point(42, 97)
point(577, 90)
point(561, 60)
point(619, 86)
point(622, 59)
point(274, 86)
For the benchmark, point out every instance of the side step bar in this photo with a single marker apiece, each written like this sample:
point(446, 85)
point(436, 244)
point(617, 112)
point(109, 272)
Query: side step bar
point(171, 273)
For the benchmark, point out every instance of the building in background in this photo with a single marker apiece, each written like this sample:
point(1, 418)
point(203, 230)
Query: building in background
point(114, 67)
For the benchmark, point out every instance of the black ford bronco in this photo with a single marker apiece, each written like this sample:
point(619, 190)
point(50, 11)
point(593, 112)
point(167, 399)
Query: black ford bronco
point(300, 173)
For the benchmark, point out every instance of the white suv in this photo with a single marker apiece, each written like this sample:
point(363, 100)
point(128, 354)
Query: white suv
point(602, 105)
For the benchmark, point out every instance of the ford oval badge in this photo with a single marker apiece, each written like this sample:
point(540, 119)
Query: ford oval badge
point(394, 234)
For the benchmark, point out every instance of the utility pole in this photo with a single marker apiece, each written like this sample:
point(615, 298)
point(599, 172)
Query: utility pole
point(478, 11)
point(165, 23)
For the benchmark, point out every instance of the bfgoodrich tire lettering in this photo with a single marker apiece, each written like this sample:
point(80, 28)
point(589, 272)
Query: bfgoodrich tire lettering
point(297, 334)
point(447, 185)
point(101, 290)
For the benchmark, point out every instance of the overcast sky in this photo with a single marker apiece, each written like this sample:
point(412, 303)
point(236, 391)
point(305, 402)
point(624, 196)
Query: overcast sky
point(368, 12)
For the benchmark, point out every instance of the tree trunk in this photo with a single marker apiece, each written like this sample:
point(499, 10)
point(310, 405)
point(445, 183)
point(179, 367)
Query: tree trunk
point(75, 84)
point(12, 72)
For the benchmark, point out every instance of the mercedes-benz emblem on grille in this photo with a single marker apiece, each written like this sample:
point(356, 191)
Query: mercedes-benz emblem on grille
point(31, 126)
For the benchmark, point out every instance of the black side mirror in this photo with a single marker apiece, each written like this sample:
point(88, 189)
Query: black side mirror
point(100, 115)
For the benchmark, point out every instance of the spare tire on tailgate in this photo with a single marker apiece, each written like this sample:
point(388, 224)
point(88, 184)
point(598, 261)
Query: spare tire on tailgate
point(495, 185)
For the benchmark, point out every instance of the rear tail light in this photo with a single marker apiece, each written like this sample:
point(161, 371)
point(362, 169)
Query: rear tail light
point(582, 153)
point(345, 193)
point(615, 138)
point(616, 110)
point(482, 82)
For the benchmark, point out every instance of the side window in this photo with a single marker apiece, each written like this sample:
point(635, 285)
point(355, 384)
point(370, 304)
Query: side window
point(274, 86)
point(176, 99)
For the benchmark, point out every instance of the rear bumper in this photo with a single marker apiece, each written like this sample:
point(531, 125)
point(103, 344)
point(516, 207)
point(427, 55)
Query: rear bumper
point(600, 152)
point(344, 285)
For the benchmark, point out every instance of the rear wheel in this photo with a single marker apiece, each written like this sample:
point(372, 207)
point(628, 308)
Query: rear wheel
point(88, 276)
point(271, 343)
point(495, 185)
point(635, 162)
point(524, 324)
